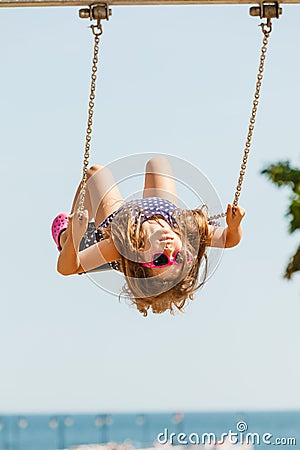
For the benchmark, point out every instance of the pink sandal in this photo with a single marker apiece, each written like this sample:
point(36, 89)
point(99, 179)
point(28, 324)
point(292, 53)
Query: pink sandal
point(59, 224)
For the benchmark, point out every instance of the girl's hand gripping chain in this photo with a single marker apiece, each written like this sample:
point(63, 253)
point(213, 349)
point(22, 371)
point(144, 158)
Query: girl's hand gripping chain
point(68, 261)
point(234, 216)
point(233, 220)
point(78, 224)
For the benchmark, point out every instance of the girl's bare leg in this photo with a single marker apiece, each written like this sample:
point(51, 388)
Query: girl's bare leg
point(159, 180)
point(102, 196)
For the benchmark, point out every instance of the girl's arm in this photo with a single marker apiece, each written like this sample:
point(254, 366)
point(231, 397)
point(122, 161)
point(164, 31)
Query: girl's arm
point(231, 235)
point(68, 262)
point(72, 261)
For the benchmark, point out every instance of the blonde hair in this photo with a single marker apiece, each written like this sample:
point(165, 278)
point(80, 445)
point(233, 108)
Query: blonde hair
point(143, 286)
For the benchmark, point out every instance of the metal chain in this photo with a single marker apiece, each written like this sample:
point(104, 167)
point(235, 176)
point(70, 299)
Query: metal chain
point(90, 117)
point(266, 29)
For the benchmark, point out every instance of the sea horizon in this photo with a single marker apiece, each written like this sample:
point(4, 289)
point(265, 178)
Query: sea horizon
point(145, 429)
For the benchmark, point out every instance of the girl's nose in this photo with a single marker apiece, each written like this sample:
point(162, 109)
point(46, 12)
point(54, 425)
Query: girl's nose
point(169, 250)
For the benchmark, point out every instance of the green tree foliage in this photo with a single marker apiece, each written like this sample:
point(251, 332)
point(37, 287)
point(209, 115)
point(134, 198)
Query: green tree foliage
point(282, 174)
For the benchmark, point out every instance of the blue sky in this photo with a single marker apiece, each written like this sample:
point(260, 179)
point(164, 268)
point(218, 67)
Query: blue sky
point(173, 80)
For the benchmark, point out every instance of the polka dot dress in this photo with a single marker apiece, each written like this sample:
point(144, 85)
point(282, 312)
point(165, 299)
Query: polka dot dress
point(149, 206)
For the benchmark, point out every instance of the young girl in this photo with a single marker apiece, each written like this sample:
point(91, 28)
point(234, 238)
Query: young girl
point(158, 246)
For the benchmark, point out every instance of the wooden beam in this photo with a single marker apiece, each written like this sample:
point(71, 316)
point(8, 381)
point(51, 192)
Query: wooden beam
point(40, 3)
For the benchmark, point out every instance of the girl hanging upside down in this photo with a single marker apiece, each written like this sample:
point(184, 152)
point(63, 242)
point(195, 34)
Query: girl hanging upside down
point(158, 246)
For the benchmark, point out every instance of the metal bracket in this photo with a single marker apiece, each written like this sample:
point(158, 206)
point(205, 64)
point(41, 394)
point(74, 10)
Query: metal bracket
point(266, 10)
point(96, 12)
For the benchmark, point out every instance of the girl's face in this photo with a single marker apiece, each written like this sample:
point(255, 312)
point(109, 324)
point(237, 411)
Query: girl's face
point(160, 238)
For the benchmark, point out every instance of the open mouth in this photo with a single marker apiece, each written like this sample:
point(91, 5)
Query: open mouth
point(166, 239)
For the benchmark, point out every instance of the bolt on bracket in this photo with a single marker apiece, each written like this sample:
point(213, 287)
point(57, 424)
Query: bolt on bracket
point(96, 12)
